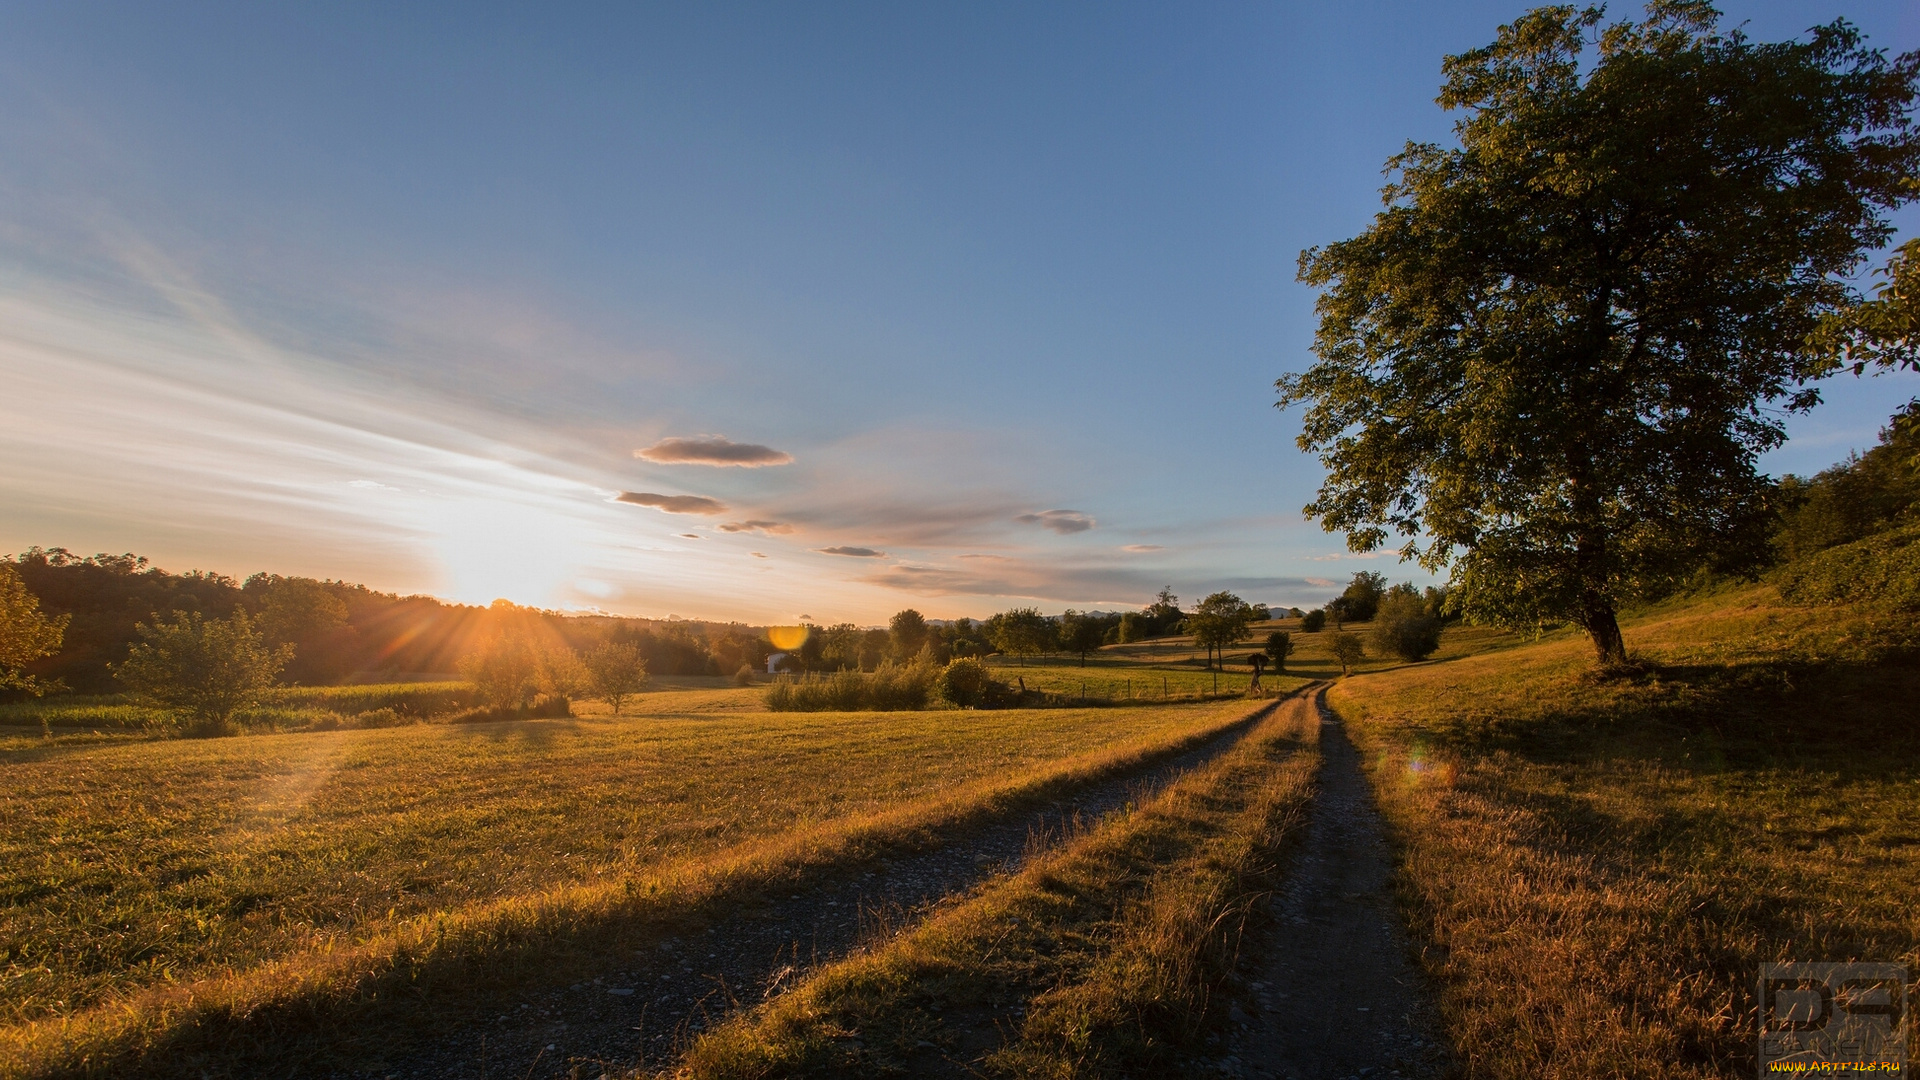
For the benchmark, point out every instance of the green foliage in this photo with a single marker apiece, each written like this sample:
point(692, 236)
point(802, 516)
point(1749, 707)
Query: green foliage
point(890, 688)
point(1346, 648)
point(1883, 332)
point(1219, 622)
point(1403, 627)
point(1314, 621)
point(26, 635)
point(969, 684)
point(907, 635)
point(1279, 647)
point(1853, 500)
point(1549, 362)
point(505, 671)
point(1882, 571)
point(205, 668)
point(1022, 632)
point(1362, 596)
point(616, 671)
point(1082, 634)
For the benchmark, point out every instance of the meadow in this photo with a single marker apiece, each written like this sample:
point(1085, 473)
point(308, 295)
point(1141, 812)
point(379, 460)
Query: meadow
point(151, 885)
point(1599, 865)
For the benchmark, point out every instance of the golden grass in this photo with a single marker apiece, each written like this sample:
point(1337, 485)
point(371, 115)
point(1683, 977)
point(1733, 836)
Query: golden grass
point(1112, 945)
point(1599, 866)
point(172, 899)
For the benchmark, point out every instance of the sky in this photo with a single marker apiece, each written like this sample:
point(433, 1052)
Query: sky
point(718, 311)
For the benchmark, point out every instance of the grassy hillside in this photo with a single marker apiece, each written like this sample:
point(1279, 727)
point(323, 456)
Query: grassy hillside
point(1600, 865)
point(156, 888)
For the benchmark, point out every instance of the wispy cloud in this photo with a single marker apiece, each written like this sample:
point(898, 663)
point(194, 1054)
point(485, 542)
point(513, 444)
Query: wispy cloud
point(689, 536)
point(757, 555)
point(853, 552)
point(768, 528)
point(1063, 522)
point(673, 504)
point(716, 450)
point(1139, 548)
point(1341, 555)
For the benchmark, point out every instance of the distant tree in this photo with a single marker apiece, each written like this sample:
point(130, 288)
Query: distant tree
point(559, 672)
point(840, 647)
point(206, 668)
point(1336, 610)
point(306, 614)
point(617, 671)
point(966, 682)
point(1402, 627)
point(873, 649)
point(1346, 648)
point(1313, 621)
point(907, 635)
point(1553, 360)
point(1362, 597)
point(1132, 628)
point(1081, 634)
point(25, 634)
point(1023, 632)
point(1219, 623)
point(1279, 647)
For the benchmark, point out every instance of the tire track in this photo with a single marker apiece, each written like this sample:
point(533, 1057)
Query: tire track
point(644, 1007)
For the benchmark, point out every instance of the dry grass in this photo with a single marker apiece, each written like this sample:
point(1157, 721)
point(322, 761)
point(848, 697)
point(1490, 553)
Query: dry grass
point(1111, 947)
point(1599, 866)
point(227, 897)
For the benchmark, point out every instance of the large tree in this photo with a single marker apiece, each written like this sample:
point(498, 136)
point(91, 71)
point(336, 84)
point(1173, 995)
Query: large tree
point(1219, 622)
point(1553, 359)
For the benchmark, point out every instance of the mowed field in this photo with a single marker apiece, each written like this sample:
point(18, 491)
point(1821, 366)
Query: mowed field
point(1601, 865)
point(153, 885)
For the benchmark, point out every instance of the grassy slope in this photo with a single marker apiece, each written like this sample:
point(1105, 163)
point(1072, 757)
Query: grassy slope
point(234, 874)
point(1100, 957)
point(1600, 866)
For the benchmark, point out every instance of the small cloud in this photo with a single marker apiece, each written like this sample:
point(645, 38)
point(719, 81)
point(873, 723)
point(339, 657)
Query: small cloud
point(853, 552)
point(1063, 522)
point(1325, 583)
point(1137, 548)
point(673, 504)
point(688, 536)
point(758, 555)
point(1339, 555)
point(769, 528)
point(373, 485)
point(717, 450)
point(990, 558)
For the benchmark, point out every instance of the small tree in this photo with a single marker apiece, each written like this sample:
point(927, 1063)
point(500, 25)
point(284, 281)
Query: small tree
point(966, 682)
point(1347, 649)
point(1313, 621)
point(1220, 622)
point(1279, 647)
point(1081, 634)
point(504, 671)
point(206, 668)
point(617, 671)
point(1023, 632)
point(25, 634)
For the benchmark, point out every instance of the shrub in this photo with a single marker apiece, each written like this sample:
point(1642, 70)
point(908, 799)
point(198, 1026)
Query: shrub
point(504, 671)
point(1402, 627)
point(1314, 621)
point(967, 683)
point(206, 668)
point(1347, 649)
point(743, 677)
point(1279, 647)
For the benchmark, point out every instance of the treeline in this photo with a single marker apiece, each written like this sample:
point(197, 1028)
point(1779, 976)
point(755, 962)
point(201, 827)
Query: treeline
point(339, 631)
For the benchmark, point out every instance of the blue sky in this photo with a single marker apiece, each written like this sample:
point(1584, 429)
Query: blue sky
point(394, 293)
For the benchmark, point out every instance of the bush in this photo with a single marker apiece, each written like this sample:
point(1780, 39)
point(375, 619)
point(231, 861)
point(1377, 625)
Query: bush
point(968, 684)
point(1881, 571)
point(743, 677)
point(1279, 647)
point(1402, 627)
point(1347, 649)
point(891, 688)
point(1314, 621)
point(616, 671)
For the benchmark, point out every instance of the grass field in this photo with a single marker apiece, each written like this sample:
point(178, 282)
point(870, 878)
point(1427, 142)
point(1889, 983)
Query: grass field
point(147, 883)
point(1600, 866)
point(1099, 958)
point(288, 707)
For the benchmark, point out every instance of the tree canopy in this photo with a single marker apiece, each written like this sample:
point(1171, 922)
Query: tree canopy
point(206, 668)
point(1552, 360)
point(1219, 622)
point(26, 634)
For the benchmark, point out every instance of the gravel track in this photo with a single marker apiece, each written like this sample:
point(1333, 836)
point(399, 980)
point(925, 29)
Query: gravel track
point(645, 1007)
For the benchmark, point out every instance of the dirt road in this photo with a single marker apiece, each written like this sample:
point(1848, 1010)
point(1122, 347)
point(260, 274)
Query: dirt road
point(1336, 993)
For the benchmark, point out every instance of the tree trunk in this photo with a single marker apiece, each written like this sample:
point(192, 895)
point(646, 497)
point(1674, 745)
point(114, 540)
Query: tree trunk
point(1598, 620)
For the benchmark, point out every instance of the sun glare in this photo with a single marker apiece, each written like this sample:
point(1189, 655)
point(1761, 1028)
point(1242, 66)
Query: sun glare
point(493, 550)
